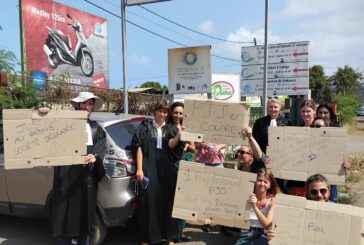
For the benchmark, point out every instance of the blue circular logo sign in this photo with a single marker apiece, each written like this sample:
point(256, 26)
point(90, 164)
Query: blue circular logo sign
point(189, 58)
point(247, 88)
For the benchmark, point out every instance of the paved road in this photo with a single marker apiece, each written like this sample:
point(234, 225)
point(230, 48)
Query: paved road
point(20, 231)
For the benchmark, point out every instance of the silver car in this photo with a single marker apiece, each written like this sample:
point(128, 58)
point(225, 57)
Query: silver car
point(26, 192)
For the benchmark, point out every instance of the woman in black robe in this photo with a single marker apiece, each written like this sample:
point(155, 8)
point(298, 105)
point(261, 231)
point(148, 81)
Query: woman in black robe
point(155, 173)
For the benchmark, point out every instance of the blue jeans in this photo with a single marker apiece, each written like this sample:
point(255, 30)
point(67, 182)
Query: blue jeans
point(64, 240)
point(251, 238)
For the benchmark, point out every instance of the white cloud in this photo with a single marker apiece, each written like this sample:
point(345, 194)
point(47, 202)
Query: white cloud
point(139, 60)
point(207, 27)
point(333, 29)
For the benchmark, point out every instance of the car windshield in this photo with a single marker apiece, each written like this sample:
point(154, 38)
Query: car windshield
point(122, 132)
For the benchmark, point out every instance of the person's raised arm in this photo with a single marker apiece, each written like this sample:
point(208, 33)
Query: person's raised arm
point(258, 154)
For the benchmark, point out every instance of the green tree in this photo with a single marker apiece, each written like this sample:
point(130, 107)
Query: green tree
point(152, 84)
point(347, 106)
point(319, 85)
point(8, 61)
point(346, 81)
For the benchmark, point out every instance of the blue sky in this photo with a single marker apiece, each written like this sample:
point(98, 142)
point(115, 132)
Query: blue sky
point(334, 29)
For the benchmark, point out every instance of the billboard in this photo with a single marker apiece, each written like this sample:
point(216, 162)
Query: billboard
point(287, 71)
point(59, 39)
point(189, 70)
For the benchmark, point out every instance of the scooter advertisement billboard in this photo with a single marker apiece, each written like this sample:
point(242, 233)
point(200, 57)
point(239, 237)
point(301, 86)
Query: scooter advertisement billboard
point(59, 39)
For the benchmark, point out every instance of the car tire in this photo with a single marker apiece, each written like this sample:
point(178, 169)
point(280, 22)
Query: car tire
point(100, 231)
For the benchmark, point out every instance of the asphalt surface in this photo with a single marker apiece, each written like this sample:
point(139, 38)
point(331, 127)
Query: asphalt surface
point(21, 231)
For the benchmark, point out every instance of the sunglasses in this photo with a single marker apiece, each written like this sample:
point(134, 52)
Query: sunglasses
point(315, 192)
point(241, 152)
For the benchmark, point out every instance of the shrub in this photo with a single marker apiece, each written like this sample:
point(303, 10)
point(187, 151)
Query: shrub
point(347, 107)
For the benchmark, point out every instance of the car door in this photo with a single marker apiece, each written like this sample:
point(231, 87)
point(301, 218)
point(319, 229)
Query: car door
point(28, 190)
point(4, 207)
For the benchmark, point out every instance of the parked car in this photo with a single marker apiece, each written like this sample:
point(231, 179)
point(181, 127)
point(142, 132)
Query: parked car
point(26, 192)
point(360, 112)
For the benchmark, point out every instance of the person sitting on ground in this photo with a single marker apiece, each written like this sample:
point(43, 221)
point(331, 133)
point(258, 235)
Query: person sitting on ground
point(262, 209)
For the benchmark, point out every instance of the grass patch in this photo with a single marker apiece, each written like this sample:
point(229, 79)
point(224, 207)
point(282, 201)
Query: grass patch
point(347, 196)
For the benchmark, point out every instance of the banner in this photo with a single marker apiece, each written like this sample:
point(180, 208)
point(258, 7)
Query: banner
point(59, 39)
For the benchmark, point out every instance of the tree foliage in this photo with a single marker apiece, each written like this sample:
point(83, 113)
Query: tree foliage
point(346, 81)
point(152, 84)
point(18, 95)
point(319, 85)
point(8, 61)
point(347, 106)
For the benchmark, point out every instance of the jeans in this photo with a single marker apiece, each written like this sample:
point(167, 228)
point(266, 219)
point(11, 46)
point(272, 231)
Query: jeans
point(251, 238)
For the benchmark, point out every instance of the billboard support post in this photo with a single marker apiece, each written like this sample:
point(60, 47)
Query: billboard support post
point(22, 62)
point(123, 39)
point(264, 101)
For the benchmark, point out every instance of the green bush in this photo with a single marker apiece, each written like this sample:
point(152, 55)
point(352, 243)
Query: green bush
point(347, 106)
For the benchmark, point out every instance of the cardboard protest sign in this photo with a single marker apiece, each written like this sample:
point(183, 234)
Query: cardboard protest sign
point(218, 122)
point(300, 221)
point(207, 192)
point(58, 138)
point(298, 152)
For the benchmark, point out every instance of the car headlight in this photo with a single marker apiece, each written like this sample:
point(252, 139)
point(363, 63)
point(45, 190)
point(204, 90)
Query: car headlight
point(115, 168)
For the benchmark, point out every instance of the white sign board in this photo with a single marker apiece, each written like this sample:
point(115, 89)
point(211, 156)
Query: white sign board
point(189, 70)
point(287, 69)
point(299, 152)
point(226, 86)
point(299, 221)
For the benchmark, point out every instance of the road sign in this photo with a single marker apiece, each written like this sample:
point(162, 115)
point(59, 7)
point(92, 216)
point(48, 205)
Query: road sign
point(280, 70)
point(277, 53)
point(275, 87)
point(287, 69)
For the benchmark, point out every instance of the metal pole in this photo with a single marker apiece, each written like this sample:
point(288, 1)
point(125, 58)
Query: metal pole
point(264, 101)
point(123, 40)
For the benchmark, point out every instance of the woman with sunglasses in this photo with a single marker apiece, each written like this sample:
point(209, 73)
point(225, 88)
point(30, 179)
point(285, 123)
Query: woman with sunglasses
point(262, 209)
point(250, 157)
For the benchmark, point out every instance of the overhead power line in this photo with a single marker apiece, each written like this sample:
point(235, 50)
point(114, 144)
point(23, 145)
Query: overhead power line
point(200, 33)
point(152, 32)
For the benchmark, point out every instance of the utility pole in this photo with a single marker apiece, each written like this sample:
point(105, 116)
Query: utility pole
point(264, 100)
point(123, 40)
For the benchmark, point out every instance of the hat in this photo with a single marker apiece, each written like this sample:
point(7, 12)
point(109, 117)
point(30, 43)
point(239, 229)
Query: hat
point(84, 96)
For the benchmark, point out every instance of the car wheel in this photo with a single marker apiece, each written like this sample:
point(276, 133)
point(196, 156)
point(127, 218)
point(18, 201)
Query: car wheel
point(99, 233)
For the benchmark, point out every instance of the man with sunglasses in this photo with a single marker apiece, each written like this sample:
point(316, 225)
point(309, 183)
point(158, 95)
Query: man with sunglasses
point(318, 188)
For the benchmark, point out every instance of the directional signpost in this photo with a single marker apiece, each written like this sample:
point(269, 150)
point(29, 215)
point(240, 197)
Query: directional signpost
point(287, 69)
